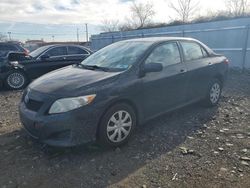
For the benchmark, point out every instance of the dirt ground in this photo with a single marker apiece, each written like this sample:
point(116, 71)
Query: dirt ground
point(191, 147)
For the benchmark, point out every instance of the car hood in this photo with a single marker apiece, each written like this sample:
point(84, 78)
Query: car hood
point(72, 81)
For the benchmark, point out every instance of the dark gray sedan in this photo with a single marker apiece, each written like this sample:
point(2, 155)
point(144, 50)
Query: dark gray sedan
point(120, 86)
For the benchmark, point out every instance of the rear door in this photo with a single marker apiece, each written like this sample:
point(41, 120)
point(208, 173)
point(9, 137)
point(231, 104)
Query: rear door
point(76, 54)
point(56, 58)
point(165, 90)
point(198, 64)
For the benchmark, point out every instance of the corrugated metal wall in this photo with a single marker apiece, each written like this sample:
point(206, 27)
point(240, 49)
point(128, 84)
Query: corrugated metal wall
point(229, 37)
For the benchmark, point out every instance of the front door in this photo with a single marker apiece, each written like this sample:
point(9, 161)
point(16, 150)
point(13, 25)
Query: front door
point(165, 90)
point(56, 58)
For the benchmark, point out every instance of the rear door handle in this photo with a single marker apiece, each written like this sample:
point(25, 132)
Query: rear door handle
point(183, 70)
point(209, 63)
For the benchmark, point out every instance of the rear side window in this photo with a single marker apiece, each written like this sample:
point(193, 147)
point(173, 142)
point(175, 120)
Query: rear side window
point(7, 47)
point(166, 54)
point(57, 51)
point(192, 51)
point(72, 50)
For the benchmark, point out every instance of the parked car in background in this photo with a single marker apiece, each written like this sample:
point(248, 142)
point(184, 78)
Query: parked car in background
point(6, 47)
point(17, 73)
point(120, 86)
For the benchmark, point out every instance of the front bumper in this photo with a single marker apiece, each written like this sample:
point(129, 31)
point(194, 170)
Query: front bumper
point(62, 130)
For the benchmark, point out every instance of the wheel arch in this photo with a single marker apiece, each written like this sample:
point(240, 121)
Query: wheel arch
point(220, 78)
point(118, 101)
point(16, 69)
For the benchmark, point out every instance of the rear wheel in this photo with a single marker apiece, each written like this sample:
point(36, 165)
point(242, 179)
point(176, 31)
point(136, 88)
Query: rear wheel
point(116, 125)
point(213, 93)
point(16, 80)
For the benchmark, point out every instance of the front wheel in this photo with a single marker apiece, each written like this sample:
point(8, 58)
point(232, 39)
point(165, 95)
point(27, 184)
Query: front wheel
point(16, 80)
point(213, 93)
point(117, 125)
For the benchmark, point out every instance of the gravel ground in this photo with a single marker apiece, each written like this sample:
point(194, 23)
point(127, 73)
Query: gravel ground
point(191, 147)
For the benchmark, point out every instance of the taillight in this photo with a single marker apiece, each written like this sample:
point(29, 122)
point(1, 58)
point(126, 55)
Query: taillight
point(226, 61)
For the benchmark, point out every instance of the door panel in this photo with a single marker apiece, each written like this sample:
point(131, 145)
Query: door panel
point(198, 65)
point(56, 59)
point(76, 54)
point(199, 76)
point(165, 90)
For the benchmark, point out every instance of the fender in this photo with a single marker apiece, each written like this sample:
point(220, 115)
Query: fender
point(16, 67)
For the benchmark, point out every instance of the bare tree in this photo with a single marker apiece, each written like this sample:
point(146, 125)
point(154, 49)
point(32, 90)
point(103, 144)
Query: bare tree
point(237, 7)
point(142, 13)
point(185, 9)
point(110, 25)
point(127, 25)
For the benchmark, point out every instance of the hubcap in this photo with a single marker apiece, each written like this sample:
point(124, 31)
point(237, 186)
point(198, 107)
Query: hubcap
point(15, 80)
point(215, 93)
point(119, 126)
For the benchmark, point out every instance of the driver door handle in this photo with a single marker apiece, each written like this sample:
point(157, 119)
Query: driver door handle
point(183, 70)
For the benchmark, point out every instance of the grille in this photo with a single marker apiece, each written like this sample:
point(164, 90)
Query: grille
point(33, 105)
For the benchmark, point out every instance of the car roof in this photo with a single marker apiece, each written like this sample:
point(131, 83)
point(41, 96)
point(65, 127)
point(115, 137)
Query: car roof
point(160, 39)
point(63, 45)
point(58, 45)
point(11, 43)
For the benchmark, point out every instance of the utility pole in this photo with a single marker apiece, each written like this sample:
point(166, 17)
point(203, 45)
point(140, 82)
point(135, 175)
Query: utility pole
point(87, 32)
point(77, 34)
point(9, 33)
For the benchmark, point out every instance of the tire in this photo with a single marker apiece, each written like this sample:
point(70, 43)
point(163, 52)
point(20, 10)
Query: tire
point(213, 93)
point(16, 80)
point(116, 126)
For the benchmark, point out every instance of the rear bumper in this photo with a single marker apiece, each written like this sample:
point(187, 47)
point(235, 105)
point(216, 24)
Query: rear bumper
point(61, 130)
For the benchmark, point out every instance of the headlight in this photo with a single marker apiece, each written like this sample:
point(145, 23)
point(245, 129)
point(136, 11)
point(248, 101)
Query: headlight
point(67, 104)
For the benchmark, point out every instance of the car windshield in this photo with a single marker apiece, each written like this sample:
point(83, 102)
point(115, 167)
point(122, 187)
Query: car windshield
point(38, 51)
point(118, 56)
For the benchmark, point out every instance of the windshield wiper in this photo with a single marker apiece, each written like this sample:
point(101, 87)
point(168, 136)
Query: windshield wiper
point(94, 67)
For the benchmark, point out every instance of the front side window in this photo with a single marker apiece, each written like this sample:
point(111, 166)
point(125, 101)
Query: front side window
point(166, 54)
point(57, 51)
point(192, 51)
point(72, 50)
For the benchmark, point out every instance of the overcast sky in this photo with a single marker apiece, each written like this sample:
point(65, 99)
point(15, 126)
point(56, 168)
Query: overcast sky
point(36, 17)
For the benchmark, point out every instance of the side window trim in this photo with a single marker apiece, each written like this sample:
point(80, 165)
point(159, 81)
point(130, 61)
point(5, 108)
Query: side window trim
point(203, 50)
point(52, 49)
point(88, 53)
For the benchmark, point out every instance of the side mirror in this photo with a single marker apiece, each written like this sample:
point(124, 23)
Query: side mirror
point(16, 56)
point(43, 57)
point(153, 67)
